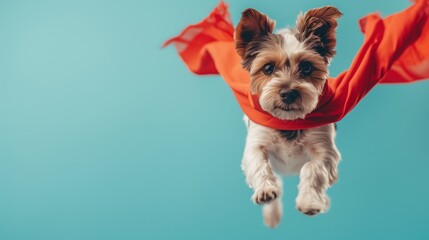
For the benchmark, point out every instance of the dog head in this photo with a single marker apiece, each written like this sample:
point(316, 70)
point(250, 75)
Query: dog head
point(288, 69)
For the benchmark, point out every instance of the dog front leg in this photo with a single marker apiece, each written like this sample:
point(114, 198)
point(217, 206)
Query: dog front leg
point(258, 171)
point(316, 176)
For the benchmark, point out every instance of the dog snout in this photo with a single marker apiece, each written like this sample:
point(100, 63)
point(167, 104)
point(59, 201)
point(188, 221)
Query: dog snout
point(289, 96)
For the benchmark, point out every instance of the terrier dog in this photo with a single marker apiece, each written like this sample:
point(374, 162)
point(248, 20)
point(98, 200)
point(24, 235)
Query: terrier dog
point(288, 71)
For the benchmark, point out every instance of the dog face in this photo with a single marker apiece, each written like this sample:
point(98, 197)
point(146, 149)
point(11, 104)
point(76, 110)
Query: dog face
point(289, 69)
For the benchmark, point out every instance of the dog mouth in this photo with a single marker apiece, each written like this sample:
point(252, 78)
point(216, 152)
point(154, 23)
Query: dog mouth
point(288, 108)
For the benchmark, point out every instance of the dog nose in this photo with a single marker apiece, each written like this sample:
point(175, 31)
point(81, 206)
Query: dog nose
point(290, 96)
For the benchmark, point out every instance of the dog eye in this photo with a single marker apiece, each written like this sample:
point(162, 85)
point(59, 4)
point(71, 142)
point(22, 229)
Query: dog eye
point(305, 68)
point(268, 69)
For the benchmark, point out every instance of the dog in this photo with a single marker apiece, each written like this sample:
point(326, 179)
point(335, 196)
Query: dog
point(288, 71)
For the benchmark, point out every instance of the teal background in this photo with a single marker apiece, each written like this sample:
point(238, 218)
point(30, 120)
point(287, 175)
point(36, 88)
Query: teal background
point(104, 135)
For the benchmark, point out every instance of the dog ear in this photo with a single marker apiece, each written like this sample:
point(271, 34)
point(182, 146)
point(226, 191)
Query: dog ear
point(317, 29)
point(252, 25)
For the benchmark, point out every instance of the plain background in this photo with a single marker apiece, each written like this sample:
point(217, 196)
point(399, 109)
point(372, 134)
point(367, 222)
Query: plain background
point(104, 135)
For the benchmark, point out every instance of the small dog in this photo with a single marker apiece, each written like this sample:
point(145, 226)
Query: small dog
point(288, 71)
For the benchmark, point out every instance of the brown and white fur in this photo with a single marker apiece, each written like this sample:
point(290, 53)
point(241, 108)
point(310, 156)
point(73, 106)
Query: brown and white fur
point(288, 71)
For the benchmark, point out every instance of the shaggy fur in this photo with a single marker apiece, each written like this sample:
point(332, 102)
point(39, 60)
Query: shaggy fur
point(288, 72)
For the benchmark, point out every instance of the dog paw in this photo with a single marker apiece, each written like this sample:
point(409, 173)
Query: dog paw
point(265, 194)
point(312, 203)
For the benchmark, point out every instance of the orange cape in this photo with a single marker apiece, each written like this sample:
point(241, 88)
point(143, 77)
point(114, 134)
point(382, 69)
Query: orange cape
point(395, 50)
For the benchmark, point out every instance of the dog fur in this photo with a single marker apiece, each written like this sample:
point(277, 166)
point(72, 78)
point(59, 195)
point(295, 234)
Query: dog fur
point(288, 71)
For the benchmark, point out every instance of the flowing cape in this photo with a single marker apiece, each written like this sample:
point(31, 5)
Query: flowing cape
point(395, 50)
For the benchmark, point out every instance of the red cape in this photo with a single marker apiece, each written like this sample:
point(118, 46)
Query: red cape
point(395, 50)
